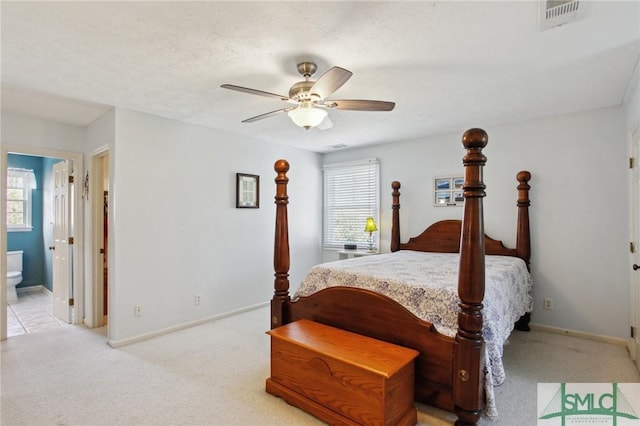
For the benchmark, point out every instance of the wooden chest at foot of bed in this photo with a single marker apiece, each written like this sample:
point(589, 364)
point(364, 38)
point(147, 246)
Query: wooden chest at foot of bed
point(341, 377)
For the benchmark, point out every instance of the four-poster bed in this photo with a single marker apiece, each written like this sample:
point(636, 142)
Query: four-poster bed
point(450, 370)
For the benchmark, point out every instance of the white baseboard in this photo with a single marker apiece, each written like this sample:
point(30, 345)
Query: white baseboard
point(32, 289)
point(147, 336)
point(581, 334)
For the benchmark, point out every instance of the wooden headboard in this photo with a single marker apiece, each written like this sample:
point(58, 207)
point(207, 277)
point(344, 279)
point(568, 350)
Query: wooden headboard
point(444, 236)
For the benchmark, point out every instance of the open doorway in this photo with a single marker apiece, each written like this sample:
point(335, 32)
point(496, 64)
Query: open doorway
point(99, 185)
point(76, 296)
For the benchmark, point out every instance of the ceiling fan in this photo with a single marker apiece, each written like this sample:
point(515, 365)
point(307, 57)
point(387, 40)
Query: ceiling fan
point(309, 98)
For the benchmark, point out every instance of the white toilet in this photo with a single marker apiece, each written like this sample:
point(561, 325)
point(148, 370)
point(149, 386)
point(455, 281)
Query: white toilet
point(14, 274)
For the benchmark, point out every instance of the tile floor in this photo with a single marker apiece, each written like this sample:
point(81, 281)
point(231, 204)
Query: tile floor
point(31, 313)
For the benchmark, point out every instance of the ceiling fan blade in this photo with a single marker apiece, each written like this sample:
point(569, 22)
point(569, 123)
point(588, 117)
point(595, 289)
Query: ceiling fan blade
point(361, 105)
point(267, 115)
point(330, 81)
point(255, 92)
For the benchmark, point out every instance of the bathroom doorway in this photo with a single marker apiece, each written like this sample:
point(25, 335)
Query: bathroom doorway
point(76, 159)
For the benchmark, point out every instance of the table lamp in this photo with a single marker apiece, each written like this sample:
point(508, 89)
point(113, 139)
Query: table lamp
point(370, 227)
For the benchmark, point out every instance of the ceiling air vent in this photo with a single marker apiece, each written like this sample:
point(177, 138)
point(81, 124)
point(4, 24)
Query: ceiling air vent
point(338, 146)
point(554, 13)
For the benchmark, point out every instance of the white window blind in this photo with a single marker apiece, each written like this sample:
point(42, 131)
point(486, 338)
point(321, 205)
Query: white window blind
point(351, 195)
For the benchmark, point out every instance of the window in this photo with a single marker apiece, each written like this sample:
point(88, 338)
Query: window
point(20, 183)
point(351, 195)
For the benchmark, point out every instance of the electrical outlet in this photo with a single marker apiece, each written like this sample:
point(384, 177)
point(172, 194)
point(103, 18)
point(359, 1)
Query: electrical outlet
point(548, 304)
point(137, 310)
point(196, 298)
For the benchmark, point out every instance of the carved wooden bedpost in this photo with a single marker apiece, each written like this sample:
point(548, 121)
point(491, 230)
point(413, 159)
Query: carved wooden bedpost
point(395, 218)
point(523, 238)
point(468, 380)
point(523, 241)
point(281, 247)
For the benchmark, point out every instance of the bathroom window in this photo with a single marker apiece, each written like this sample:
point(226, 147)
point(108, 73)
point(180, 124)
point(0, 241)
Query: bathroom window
point(20, 183)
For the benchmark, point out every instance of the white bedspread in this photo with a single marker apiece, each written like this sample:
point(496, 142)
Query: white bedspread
point(427, 285)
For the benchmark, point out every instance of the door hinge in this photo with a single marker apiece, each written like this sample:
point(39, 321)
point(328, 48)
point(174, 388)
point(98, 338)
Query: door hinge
point(70, 179)
point(71, 302)
point(632, 247)
point(70, 240)
point(632, 162)
point(633, 332)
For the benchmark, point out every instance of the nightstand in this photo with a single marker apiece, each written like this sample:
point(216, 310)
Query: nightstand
point(348, 254)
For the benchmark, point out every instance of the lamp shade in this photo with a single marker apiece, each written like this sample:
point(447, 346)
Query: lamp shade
point(370, 226)
point(306, 115)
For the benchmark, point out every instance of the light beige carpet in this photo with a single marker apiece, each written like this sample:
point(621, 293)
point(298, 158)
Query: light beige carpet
point(214, 374)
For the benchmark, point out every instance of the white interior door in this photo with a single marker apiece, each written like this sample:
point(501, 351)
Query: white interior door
point(62, 275)
point(634, 344)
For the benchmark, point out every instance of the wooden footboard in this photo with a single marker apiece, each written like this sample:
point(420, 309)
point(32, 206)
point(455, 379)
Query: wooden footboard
point(375, 315)
point(449, 371)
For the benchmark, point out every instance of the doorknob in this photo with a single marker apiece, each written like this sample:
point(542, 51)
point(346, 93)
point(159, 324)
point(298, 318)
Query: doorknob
point(52, 247)
point(636, 267)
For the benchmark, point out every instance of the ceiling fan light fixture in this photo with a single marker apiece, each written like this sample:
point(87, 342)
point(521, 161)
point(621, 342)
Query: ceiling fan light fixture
point(311, 97)
point(307, 116)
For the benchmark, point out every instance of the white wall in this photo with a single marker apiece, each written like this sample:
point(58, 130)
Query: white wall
point(177, 231)
point(35, 133)
point(101, 133)
point(632, 101)
point(579, 211)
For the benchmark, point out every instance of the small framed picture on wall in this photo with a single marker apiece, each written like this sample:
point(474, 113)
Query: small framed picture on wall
point(247, 191)
point(448, 191)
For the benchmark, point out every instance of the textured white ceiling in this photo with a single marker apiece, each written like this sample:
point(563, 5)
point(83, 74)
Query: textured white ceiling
point(447, 65)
